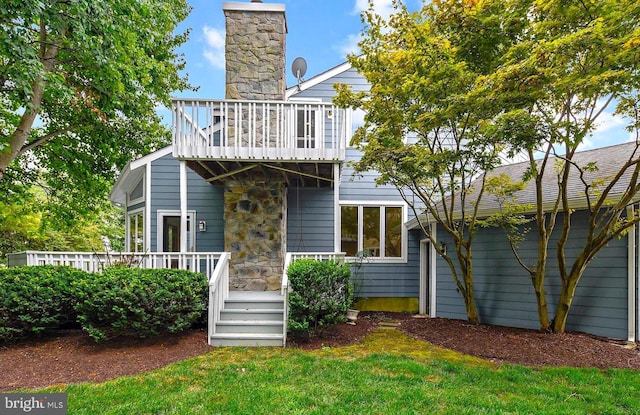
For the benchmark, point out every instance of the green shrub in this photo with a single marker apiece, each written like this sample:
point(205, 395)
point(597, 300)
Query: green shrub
point(34, 299)
point(140, 302)
point(322, 293)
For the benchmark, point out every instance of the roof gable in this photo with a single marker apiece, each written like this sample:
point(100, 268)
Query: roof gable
point(317, 79)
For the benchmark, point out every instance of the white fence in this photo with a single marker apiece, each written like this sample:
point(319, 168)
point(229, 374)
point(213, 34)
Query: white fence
point(203, 262)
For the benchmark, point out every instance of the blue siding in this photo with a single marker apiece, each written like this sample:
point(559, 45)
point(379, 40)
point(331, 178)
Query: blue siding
point(325, 90)
point(380, 279)
point(310, 220)
point(205, 199)
point(505, 296)
point(393, 280)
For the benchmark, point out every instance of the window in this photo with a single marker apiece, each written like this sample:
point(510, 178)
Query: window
point(376, 229)
point(135, 231)
point(305, 122)
point(306, 128)
point(137, 194)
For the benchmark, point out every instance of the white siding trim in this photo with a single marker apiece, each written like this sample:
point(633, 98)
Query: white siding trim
point(183, 206)
point(337, 223)
point(147, 207)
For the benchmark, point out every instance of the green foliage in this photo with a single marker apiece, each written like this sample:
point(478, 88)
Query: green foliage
point(574, 63)
point(36, 299)
point(92, 74)
point(322, 293)
point(35, 223)
point(139, 302)
point(511, 215)
point(428, 127)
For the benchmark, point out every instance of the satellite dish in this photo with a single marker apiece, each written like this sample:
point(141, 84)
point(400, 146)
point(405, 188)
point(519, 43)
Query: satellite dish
point(299, 68)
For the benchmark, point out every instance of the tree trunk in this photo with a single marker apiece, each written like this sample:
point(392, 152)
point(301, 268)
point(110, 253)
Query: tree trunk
point(563, 307)
point(23, 131)
point(469, 300)
point(538, 282)
point(541, 300)
point(562, 311)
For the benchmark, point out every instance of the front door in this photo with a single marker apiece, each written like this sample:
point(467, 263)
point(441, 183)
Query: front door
point(169, 231)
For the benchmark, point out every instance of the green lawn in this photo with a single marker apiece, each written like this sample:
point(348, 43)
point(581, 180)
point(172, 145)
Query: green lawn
point(388, 374)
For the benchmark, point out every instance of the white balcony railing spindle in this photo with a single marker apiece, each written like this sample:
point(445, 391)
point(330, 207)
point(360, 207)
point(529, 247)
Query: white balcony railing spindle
point(259, 130)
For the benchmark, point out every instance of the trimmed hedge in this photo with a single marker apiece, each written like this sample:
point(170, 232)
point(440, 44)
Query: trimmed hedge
point(35, 299)
point(322, 294)
point(140, 302)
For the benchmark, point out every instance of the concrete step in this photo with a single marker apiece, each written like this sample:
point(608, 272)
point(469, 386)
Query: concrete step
point(255, 300)
point(252, 314)
point(250, 319)
point(237, 304)
point(246, 339)
point(249, 326)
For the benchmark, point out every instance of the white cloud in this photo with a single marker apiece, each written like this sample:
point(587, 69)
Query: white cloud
point(383, 8)
point(610, 129)
point(214, 46)
point(349, 45)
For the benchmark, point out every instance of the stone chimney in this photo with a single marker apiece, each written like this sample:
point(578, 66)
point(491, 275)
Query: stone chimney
point(255, 50)
point(255, 207)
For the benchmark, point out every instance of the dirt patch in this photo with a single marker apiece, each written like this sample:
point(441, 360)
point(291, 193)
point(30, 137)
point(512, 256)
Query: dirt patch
point(73, 357)
point(525, 347)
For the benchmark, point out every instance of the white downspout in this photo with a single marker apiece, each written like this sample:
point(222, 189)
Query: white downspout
point(631, 275)
point(183, 207)
point(423, 286)
point(433, 256)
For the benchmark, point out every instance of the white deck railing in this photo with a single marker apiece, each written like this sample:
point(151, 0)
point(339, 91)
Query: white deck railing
point(203, 262)
point(218, 292)
point(285, 288)
point(259, 130)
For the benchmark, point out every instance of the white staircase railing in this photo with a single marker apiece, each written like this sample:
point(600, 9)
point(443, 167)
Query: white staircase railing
point(218, 292)
point(285, 288)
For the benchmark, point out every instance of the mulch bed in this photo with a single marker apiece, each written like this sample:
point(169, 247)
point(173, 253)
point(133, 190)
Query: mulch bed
point(72, 356)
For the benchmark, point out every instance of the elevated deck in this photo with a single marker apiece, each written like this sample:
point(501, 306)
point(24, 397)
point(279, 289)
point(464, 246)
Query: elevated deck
point(222, 138)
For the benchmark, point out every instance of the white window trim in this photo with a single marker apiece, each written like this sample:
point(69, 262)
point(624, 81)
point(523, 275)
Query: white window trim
point(405, 238)
point(142, 198)
point(127, 244)
point(160, 229)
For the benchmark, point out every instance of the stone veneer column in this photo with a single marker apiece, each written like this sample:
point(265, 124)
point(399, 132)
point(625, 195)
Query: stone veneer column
point(255, 209)
point(254, 232)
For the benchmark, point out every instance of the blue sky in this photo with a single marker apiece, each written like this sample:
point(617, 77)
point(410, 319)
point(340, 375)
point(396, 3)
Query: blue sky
point(322, 32)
